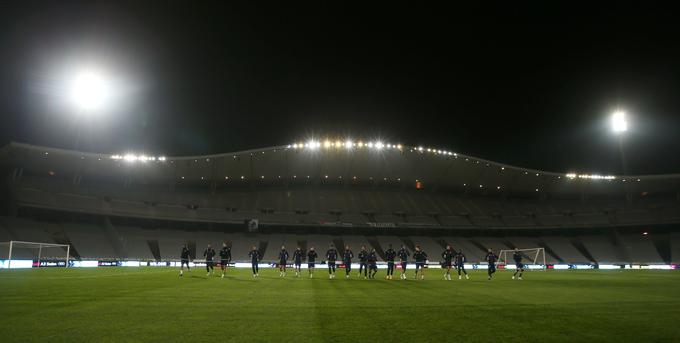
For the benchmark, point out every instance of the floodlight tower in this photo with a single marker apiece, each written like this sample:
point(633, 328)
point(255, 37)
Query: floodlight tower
point(619, 127)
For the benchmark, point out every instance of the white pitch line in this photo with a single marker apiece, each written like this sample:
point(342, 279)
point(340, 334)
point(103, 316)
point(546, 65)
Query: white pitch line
point(82, 276)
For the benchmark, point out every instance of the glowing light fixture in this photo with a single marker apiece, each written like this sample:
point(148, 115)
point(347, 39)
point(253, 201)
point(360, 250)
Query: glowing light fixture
point(619, 123)
point(90, 91)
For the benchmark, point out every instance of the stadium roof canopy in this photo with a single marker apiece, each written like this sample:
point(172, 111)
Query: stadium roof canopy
point(344, 164)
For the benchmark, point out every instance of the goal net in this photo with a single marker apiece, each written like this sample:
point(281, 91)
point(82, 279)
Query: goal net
point(20, 254)
point(532, 258)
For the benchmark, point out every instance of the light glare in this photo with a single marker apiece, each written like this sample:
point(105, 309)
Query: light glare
point(89, 91)
point(619, 123)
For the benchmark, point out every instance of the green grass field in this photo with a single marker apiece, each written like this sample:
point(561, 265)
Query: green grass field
point(153, 304)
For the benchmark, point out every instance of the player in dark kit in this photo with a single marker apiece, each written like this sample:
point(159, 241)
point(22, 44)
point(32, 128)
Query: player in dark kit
point(185, 256)
point(390, 255)
point(372, 264)
point(347, 257)
point(283, 260)
point(209, 253)
point(403, 257)
point(447, 257)
point(254, 255)
point(491, 258)
point(297, 260)
point(421, 260)
point(460, 260)
point(225, 257)
point(311, 259)
point(331, 257)
point(363, 261)
point(517, 256)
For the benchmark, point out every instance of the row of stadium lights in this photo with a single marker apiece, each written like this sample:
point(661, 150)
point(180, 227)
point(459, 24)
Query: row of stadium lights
point(138, 158)
point(349, 144)
point(596, 177)
point(130, 158)
point(378, 145)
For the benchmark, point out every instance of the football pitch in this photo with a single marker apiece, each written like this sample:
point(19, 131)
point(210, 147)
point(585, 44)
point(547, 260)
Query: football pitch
point(154, 304)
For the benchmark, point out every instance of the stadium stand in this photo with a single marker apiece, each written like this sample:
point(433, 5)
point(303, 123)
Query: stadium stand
point(26, 230)
point(457, 221)
point(564, 249)
point(601, 248)
point(639, 249)
point(551, 256)
point(494, 242)
point(385, 241)
point(675, 247)
point(355, 242)
point(420, 219)
point(320, 243)
point(92, 243)
point(107, 206)
point(518, 221)
point(89, 240)
point(134, 242)
point(472, 251)
point(429, 245)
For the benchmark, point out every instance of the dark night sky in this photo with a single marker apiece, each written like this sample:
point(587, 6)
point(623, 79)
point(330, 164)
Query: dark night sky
point(526, 85)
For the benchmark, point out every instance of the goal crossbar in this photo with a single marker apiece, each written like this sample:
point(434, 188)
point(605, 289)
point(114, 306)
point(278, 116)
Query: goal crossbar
point(536, 256)
point(15, 244)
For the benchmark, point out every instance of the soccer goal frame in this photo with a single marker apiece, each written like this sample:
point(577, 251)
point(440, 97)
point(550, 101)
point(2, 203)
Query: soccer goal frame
point(536, 256)
point(13, 245)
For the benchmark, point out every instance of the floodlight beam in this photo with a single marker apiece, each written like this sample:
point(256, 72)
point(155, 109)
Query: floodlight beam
point(619, 123)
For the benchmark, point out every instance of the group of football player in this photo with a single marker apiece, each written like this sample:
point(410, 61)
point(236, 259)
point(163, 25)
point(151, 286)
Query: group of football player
point(368, 261)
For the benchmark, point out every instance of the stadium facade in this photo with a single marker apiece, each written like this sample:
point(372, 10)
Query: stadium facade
point(315, 193)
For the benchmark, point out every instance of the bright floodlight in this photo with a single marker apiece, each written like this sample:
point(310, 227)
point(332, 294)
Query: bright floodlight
point(89, 91)
point(619, 123)
point(313, 144)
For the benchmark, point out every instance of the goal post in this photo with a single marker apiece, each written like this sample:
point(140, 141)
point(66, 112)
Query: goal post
point(35, 251)
point(532, 256)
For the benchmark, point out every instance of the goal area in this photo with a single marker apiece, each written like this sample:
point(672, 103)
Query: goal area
point(21, 254)
point(533, 258)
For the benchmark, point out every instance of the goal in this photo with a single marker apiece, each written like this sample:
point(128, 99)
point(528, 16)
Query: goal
point(46, 254)
point(532, 256)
